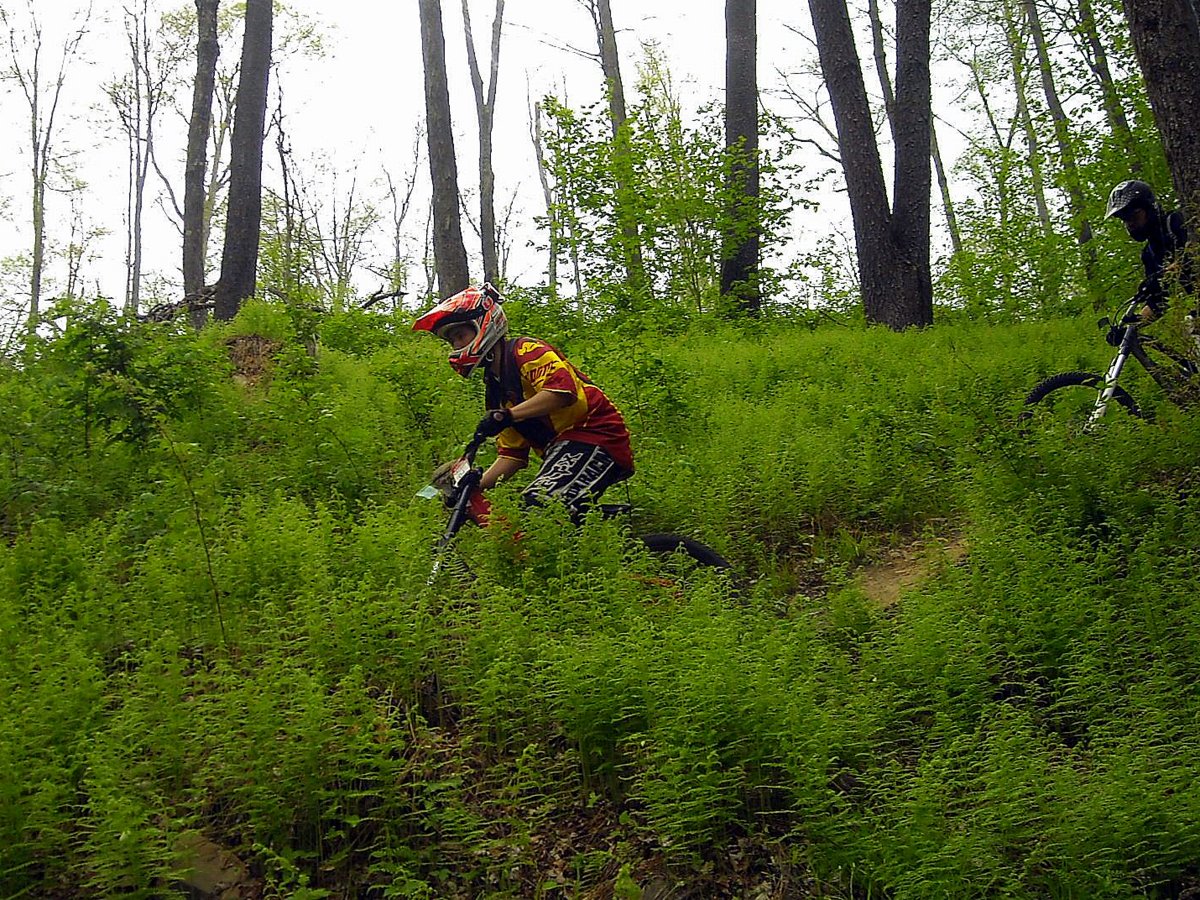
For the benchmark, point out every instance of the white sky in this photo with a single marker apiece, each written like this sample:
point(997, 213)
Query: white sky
point(358, 106)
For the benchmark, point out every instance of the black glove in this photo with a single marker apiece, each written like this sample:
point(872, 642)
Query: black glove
point(1117, 332)
point(450, 497)
point(494, 422)
point(1150, 293)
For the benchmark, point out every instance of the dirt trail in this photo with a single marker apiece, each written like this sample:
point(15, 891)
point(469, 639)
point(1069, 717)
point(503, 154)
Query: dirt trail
point(884, 582)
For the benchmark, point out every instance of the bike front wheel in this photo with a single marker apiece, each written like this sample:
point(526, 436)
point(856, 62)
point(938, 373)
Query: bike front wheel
point(1070, 398)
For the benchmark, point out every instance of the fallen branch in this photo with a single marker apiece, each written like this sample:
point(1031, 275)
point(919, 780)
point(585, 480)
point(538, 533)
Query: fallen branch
point(382, 294)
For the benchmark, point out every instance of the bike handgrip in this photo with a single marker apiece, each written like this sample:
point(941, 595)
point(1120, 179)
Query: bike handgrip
point(473, 447)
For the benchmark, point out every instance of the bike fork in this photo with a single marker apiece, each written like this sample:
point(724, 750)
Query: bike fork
point(1110, 384)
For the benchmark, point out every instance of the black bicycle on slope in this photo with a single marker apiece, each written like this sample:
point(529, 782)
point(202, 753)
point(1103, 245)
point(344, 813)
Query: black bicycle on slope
point(1082, 398)
point(457, 484)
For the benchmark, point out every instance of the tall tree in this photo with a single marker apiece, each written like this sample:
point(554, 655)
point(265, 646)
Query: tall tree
point(740, 241)
point(1033, 150)
point(195, 223)
point(450, 255)
point(1071, 178)
point(879, 50)
point(1166, 40)
point(400, 194)
point(239, 258)
point(41, 96)
point(622, 154)
point(892, 244)
point(485, 109)
point(137, 98)
point(552, 225)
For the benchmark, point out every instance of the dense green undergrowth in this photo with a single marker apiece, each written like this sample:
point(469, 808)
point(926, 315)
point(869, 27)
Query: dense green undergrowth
point(214, 619)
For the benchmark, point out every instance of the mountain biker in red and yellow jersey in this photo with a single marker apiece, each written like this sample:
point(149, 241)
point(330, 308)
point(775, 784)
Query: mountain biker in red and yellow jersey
point(535, 399)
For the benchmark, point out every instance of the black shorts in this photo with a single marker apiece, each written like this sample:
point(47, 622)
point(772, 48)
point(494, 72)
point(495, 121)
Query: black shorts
point(574, 474)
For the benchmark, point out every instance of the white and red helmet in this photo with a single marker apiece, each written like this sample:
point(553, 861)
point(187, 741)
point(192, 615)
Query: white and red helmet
point(477, 306)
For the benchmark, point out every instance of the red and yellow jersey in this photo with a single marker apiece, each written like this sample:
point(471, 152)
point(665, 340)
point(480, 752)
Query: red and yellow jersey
point(591, 418)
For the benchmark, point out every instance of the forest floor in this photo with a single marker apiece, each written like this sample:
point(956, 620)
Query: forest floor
point(549, 862)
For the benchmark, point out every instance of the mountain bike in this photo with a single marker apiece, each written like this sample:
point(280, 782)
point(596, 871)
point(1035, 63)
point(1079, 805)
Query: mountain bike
point(457, 484)
point(1084, 397)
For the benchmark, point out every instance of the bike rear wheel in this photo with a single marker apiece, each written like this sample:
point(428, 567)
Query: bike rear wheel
point(1070, 397)
point(674, 566)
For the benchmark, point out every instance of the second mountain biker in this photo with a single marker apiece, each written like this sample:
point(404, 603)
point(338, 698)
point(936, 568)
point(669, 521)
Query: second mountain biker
point(1165, 237)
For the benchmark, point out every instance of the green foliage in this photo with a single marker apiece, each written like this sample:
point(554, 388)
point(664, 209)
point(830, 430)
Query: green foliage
point(680, 197)
point(220, 626)
point(262, 318)
point(1013, 265)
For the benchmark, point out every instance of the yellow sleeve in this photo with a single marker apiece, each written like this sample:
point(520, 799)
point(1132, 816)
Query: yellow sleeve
point(510, 443)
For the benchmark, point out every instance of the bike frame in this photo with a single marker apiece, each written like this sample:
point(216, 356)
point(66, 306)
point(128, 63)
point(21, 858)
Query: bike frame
point(461, 480)
point(1131, 345)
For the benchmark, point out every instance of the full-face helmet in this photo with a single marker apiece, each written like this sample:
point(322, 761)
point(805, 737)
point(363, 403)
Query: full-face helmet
point(1128, 196)
point(478, 307)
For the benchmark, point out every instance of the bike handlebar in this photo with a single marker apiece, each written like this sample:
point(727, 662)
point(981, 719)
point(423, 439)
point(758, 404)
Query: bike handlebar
point(473, 446)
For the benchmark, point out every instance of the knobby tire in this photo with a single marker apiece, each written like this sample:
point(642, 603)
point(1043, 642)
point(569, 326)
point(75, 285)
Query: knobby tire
point(1091, 380)
point(672, 543)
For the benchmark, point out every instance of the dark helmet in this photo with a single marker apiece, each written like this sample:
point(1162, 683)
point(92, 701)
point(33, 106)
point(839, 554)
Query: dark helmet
point(1128, 196)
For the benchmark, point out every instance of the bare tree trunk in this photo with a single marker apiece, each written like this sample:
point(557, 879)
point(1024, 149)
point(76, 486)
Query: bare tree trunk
point(143, 149)
point(485, 108)
point(450, 255)
point(137, 98)
point(219, 175)
point(535, 133)
point(293, 212)
point(25, 68)
point(631, 240)
point(1062, 133)
point(194, 193)
point(1016, 48)
point(889, 102)
point(943, 181)
point(1166, 40)
point(879, 52)
point(892, 246)
point(740, 240)
point(1094, 51)
point(397, 270)
point(239, 259)
point(75, 251)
